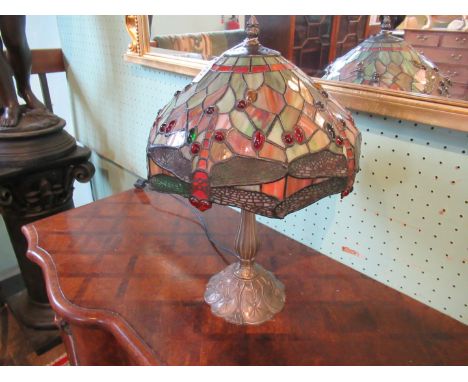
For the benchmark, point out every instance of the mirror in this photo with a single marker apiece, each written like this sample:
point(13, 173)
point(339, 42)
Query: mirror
point(201, 37)
point(185, 44)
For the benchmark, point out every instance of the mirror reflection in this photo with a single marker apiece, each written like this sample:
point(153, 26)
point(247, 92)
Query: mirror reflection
point(203, 37)
point(388, 61)
point(427, 55)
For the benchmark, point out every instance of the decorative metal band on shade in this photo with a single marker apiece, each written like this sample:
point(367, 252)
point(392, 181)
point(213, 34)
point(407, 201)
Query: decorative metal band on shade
point(253, 131)
point(389, 62)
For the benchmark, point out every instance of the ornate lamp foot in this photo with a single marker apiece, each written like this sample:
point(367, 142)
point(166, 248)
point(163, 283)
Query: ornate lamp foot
point(244, 292)
point(241, 300)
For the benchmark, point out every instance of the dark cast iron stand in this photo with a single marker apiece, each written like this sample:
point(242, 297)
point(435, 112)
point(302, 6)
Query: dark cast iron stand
point(39, 163)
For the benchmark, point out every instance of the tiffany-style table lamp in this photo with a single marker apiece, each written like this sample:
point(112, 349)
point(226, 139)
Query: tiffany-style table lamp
point(389, 62)
point(254, 132)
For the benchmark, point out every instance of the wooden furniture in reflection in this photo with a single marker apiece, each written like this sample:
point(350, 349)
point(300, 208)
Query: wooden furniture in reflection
point(449, 51)
point(126, 277)
point(312, 42)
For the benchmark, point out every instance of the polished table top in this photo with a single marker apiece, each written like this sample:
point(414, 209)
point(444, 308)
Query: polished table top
point(137, 263)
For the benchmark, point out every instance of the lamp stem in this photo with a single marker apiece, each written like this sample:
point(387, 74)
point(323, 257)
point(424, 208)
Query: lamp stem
point(245, 292)
point(246, 245)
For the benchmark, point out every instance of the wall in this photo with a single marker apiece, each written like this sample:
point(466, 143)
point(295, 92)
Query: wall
point(42, 33)
point(404, 225)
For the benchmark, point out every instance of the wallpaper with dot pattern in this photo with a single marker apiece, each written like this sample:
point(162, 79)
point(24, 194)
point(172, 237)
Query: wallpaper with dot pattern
point(404, 225)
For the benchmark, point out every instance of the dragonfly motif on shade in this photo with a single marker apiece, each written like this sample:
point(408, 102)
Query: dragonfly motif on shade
point(259, 134)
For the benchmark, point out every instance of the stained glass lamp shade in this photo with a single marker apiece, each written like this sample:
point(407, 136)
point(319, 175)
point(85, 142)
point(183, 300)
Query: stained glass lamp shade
point(254, 132)
point(389, 62)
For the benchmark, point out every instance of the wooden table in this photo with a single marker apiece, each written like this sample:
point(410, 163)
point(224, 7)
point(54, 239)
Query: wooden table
point(126, 277)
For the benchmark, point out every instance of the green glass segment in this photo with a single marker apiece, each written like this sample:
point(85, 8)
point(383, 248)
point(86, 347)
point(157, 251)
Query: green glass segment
point(384, 57)
point(243, 61)
point(271, 60)
point(289, 117)
point(254, 81)
point(369, 70)
point(396, 57)
point(296, 151)
point(258, 61)
point(220, 81)
point(197, 99)
point(192, 135)
point(242, 122)
point(170, 185)
point(226, 103)
point(207, 79)
point(275, 81)
point(276, 132)
point(230, 61)
point(238, 85)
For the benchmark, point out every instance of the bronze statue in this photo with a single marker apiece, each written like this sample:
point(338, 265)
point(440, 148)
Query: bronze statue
point(13, 35)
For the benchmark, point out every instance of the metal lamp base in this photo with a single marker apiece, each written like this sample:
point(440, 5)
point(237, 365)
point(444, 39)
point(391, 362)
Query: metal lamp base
point(245, 295)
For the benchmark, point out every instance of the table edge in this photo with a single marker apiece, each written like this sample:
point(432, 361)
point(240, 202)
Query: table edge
point(110, 321)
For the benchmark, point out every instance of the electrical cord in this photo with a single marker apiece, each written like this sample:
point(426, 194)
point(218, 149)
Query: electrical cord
point(214, 243)
point(218, 247)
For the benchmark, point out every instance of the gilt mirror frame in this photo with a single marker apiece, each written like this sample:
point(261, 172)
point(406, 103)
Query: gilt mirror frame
point(420, 108)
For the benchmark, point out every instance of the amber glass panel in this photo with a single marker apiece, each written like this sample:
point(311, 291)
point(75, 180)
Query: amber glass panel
point(223, 122)
point(291, 80)
point(296, 184)
point(273, 152)
point(309, 110)
point(319, 119)
point(204, 123)
point(219, 152)
point(293, 99)
point(275, 189)
point(261, 118)
point(306, 94)
point(240, 144)
point(154, 169)
point(269, 99)
point(194, 117)
point(307, 125)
